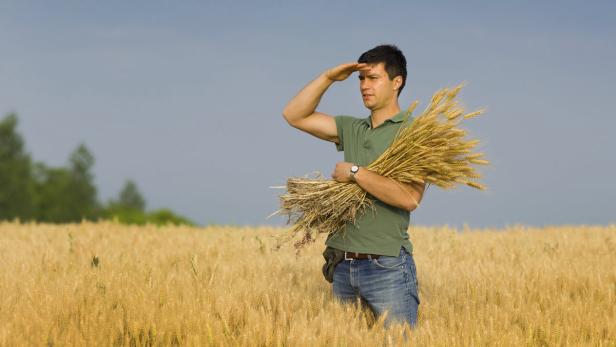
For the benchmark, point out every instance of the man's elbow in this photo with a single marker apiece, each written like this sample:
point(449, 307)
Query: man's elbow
point(290, 120)
point(285, 115)
point(410, 205)
point(413, 197)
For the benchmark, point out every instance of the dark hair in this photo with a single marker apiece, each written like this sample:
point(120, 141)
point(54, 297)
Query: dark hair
point(392, 57)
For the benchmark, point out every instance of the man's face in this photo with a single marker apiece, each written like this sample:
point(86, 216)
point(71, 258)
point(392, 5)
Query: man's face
point(377, 90)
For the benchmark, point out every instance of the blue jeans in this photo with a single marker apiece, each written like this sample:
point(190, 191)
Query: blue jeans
point(384, 284)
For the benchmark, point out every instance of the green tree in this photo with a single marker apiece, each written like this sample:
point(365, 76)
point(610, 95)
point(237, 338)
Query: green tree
point(83, 192)
point(16, 186)
point(53, 194)
point(131, 198)
point(67, 195)
point(129, 208)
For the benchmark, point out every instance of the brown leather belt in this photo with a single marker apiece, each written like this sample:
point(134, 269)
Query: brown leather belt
point(355, 255)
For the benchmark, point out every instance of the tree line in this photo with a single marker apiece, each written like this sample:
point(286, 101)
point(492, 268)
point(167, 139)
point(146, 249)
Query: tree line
point(34, 191)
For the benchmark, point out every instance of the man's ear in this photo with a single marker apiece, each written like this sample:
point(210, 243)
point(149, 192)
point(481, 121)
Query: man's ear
point(397, 82)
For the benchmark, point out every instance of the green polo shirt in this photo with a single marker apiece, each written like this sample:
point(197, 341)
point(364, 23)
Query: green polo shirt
point(384, 230)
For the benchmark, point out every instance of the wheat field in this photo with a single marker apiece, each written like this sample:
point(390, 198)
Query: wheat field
point(105, 284)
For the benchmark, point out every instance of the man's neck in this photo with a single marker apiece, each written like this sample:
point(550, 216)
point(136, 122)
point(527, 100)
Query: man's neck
point(381, 115)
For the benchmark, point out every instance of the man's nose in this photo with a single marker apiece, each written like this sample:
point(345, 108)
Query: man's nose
point(363, 85)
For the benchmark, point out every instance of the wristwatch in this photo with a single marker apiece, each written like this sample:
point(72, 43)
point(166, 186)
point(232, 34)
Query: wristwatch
point(354, 170)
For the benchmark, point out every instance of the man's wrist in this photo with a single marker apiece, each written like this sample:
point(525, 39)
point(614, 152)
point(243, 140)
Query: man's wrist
point(353, 171)
point(329, 80)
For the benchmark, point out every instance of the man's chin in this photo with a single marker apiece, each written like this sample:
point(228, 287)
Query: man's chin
point(369, 106)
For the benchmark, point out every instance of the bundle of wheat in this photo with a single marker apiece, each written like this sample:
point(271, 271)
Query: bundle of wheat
point(430, 149)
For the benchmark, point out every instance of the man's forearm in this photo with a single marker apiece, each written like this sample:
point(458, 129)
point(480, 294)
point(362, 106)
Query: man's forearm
point(388, 190)
point(306, 101)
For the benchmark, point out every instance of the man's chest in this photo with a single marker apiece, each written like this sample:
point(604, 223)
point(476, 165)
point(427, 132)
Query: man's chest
point(365, 145)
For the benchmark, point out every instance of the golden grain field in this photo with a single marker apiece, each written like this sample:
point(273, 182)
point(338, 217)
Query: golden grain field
point(105, 284)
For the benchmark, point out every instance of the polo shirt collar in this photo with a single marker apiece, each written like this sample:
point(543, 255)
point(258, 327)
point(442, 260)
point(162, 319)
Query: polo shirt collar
point(395, 119)
point(398, 118)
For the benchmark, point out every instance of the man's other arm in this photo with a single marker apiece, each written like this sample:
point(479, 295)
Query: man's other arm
point(406, 196)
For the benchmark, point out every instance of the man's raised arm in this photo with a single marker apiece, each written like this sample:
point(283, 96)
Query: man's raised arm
point(300, 111)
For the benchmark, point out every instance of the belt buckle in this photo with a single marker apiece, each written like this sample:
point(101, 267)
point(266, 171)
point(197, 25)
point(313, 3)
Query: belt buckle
point(345, 255)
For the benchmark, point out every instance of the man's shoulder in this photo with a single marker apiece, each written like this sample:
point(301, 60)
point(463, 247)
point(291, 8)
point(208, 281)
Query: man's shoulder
point(346, 116)
point(347, 119)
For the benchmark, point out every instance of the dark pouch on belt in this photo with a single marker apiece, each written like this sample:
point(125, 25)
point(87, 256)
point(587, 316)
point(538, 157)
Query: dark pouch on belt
point(332, 257)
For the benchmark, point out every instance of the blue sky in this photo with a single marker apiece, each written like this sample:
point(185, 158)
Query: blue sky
point(186, 98)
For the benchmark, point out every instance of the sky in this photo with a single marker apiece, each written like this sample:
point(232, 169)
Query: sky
point(186, 98)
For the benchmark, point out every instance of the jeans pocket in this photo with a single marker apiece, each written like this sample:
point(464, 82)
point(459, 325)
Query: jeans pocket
point(388, 262)
point(412, 281)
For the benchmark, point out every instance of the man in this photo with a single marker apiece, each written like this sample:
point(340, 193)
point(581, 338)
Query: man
point(377, 266)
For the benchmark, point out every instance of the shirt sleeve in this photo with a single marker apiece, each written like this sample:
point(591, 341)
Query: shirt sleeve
point(341, 124)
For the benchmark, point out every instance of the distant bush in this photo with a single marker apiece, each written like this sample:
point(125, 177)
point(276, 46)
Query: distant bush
point(135, 216)
point(166, 216)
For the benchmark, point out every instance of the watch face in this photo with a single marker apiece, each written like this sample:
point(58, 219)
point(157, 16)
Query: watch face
point(354, 168)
